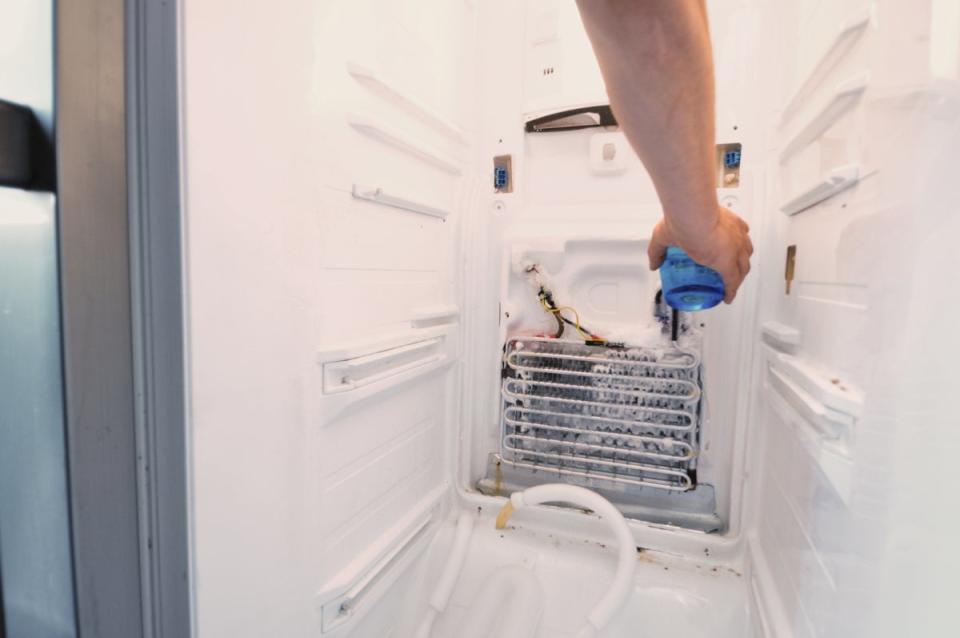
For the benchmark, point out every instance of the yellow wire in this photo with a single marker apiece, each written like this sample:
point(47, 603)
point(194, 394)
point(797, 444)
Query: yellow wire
point(576, 315)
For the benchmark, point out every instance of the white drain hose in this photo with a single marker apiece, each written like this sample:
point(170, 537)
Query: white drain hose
point(451, 571)
point(622, 583)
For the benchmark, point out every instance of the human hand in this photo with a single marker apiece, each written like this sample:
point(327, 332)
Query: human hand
point(725, 247)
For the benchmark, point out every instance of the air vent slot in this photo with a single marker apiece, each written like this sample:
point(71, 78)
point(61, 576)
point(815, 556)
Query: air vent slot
point(573, 120)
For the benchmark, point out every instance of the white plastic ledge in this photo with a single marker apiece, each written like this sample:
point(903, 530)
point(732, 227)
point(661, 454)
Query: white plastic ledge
point(378, 196)
point(843, 402)
point(835, 182)
point(376, 81)
point(353, 592)
point(351, 373)
point(844, 98)
point(831, 455)
point(842, 43)
point(434, 315)
point(405, 144)
point(781, 335)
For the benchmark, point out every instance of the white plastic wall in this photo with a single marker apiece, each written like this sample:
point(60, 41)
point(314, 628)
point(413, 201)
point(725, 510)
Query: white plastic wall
point(323, 328)
point(557, 63)
point(853, 538)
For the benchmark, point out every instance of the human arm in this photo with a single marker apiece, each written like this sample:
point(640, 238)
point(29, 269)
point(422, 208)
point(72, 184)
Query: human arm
point(657, 65)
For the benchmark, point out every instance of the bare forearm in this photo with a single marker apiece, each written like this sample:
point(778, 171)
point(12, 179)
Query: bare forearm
point(656, 62)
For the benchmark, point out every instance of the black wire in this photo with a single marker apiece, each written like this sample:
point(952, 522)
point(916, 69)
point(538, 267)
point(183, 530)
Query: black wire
point(674, 324)
point(559, 325)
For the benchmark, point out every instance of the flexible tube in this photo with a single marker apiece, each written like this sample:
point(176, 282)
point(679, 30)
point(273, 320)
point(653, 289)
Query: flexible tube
point(616, 595)
point(448, 578)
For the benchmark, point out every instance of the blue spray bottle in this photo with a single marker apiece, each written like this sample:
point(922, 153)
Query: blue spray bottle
point(687, 285)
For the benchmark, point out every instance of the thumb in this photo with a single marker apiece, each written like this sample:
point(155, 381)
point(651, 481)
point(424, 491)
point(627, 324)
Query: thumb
point(657, 249)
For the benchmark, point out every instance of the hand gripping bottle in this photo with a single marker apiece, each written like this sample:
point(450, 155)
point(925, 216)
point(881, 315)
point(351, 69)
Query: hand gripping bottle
point(687, 285)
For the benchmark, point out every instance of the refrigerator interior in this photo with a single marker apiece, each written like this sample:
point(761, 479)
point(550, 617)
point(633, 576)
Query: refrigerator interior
point(355, 277)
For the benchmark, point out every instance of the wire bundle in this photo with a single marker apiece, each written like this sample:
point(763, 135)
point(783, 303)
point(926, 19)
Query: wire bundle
point(549, 305)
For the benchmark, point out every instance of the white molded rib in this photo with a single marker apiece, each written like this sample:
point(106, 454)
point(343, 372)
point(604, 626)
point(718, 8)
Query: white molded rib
point(433, 315)
point(361, 582)
point(845, 97)
point(372, 79)
point(844, 400)
point(377, 196)
point(358, 372)
point(836, 181)
point(405, 144)
point(828, 451)
point(351, 373)
point(841, 45)
point(781, 334)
